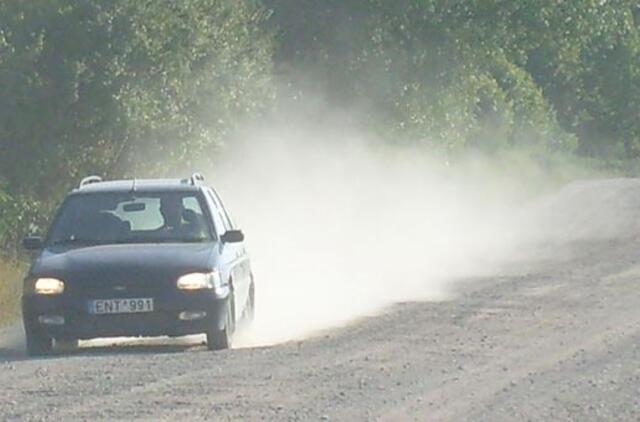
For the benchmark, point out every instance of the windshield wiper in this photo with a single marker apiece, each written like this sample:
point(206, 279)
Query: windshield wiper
point(134, 239)
point(192, 240)
point(142, 239)
point(74, 241)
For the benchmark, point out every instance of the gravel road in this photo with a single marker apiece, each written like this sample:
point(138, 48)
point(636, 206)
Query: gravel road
point(551, 338)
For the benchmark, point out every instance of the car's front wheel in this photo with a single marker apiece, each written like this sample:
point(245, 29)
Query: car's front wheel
point(221, 339)
point(67, 345)
point(38, 343)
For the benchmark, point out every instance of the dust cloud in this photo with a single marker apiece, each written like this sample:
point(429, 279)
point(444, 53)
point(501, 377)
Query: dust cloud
point(339, 227)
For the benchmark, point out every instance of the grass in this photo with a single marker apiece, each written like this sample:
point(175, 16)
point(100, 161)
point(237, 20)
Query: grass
point(11, 273)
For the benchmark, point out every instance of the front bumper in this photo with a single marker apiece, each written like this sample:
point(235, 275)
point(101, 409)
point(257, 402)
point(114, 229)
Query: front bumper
point(164, 320)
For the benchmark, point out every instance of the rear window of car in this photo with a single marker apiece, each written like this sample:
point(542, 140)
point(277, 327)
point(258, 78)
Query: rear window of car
point(150, 219)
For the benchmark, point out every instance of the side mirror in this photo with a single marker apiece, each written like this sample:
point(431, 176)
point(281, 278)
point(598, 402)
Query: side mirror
point(32, 243)
point(232, 236)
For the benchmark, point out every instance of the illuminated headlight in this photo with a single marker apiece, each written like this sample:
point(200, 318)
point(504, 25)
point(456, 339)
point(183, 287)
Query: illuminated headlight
point(49, 286)
point(200, 281)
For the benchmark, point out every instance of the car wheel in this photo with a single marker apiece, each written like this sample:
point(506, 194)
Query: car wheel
point(38, 344)
point(250, 309)
point(221, 339)
point(67, 345)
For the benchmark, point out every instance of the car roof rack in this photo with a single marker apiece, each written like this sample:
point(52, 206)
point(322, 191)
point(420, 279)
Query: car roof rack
point(196, 179)
point(89, 181)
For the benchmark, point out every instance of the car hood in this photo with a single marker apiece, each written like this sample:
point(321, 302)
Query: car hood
point(107, 261)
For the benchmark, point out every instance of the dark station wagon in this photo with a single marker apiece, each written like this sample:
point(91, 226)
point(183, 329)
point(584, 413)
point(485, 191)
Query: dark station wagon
point(137, 258)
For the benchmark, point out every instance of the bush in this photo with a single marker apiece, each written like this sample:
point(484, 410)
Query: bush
point(18, 217)
point(10, 289)
point(555, 75)
point(125, 86)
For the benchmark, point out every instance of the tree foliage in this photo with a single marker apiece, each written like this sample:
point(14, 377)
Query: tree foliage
point(150, 87)
point(551, 75)
point(123, 86)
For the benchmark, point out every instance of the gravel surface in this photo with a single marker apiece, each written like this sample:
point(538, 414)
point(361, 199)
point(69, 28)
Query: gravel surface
point(556, 338)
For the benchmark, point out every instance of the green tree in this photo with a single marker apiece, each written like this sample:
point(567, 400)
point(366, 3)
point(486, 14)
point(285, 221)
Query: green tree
point(547, 74)
point(122, 86)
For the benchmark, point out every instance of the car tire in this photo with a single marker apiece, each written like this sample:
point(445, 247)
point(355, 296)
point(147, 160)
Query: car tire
point(221, 339)
point(67, 345)
point(250, 308)
point(38, 343)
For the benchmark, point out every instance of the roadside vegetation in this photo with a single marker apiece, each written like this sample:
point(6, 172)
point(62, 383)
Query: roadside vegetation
point(11, 273)
point(127, 87)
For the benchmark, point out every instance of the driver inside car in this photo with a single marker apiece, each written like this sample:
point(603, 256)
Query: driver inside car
point(175, 226)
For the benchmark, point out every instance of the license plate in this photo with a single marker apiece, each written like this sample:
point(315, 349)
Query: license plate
point(120, 306)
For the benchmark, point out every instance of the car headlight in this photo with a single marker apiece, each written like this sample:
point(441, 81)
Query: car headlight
point(49, 286)
point(200, 281)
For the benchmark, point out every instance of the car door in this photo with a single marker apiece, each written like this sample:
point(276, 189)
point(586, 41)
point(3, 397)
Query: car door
point(245, 261)
point(232, 255)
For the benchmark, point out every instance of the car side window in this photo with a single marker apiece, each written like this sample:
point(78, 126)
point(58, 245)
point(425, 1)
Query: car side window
point(191, 203)
point(218, 220)
point(227, 219)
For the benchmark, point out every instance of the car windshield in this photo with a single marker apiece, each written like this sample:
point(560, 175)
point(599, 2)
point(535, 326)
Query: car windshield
point(110, 218)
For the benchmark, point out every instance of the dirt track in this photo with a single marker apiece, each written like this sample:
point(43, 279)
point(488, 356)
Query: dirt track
point(556, 338)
